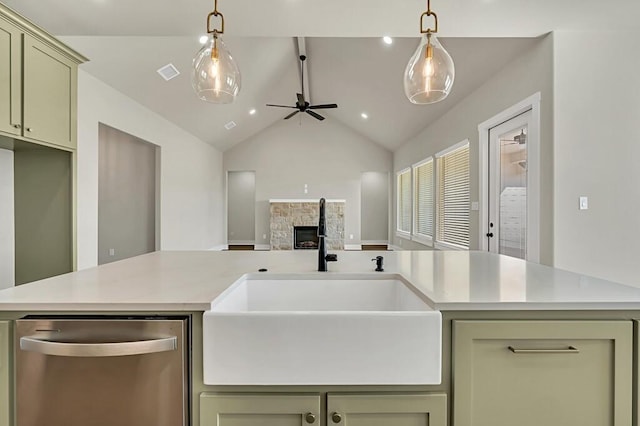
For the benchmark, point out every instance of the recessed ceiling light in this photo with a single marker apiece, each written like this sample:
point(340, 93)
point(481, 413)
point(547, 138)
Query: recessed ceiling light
point(168, 72)
point(230, 125)
point(364, 115)
point(203, 39)
point(252, 111)
point(387, 39)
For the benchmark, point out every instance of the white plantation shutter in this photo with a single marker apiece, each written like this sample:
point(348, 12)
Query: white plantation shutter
point(423, 179)
point(404, 201)
point(453, 197)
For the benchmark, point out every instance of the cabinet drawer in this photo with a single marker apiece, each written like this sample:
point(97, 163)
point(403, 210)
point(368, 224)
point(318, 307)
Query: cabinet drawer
point(259, 410)
point(552, 373)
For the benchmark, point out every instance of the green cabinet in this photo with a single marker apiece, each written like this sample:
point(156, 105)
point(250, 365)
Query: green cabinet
point(5, 383)
point(10, 78)
point(552, 373)
point(38, 84)
point(387, 409)
point(50, 99)
point(305, 409)
point(259, 409)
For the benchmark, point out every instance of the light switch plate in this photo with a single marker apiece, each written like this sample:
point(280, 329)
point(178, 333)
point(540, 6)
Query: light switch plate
point(475, 205)
point(584, 203)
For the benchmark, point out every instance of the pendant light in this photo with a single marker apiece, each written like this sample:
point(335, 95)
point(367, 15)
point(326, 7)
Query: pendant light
point(215, 76)
point(429, 75)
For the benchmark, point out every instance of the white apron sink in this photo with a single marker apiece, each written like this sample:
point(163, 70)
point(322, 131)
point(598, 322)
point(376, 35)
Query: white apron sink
point(320, 329)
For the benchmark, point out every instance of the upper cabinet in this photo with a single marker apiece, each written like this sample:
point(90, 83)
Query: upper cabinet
point(38, 84)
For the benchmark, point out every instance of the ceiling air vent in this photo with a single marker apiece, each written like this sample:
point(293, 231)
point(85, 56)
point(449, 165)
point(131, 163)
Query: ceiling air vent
point(230, 125)
point(168, 72)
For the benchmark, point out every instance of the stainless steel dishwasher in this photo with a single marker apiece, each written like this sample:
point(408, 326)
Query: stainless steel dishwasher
point(102, 371)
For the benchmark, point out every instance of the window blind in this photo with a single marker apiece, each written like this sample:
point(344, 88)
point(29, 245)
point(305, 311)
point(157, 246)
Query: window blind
point(453, 197)
point(404, 201)
point(423, 175)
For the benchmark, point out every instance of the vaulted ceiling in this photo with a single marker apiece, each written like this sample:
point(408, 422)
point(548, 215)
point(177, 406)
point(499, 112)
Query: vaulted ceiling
point(127, 41)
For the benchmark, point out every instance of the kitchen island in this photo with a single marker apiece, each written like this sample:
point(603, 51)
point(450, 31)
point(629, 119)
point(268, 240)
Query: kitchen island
point(522, 343)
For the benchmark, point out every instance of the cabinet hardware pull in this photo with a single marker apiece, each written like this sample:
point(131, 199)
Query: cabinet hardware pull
point(310, 418)
point(29, 129)
point(16, 126)
point(336, 418)
point(49, 347)
point(568, 350)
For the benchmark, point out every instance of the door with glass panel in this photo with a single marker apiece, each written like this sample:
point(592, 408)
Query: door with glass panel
point(508, 181)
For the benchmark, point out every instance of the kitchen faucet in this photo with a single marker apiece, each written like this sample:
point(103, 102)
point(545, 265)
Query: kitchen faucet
point(323, 257)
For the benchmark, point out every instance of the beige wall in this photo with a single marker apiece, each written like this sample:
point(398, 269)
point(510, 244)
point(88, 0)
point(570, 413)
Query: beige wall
point(191, 178)
point(597, 154)
point(327, 156)
point(529, 73)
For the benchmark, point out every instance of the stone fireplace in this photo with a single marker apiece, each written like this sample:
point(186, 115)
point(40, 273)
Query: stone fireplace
point(303, 214)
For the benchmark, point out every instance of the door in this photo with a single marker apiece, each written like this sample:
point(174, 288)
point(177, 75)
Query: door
point(509, 175)
point(49, 95)
point(387, 409)
point(5, 389)
point(259, 410)
point(10, 79)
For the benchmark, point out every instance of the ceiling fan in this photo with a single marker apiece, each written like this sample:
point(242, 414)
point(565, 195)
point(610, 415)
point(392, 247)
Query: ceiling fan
point(302, 105)
point(520, 139)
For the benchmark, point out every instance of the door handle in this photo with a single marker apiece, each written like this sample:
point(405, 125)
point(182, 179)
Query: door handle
point(107, 349)
point(490, 234)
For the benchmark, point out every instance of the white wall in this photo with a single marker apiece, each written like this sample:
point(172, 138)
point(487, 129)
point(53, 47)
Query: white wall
point(191, 182)
point(597, 154)
point(7, 223)
point(529, 73)
point(327, 156)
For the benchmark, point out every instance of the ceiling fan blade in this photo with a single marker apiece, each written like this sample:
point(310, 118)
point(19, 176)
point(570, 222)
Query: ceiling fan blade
point(323, 106)
point(291, 115)
point(300, 99)
point(281, 106)
point(315, 115)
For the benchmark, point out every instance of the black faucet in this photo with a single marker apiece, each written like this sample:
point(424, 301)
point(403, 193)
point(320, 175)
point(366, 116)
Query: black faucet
point(323, 257)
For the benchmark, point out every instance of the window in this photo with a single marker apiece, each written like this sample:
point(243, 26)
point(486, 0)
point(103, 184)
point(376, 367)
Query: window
point(423, 201)
point(452, 222)
point(404, 202)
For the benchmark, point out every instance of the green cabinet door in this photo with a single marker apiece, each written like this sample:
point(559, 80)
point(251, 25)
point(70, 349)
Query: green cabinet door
point(50, 95)
point(5, 350)
point(259, 410)
point(551, 373)
point(10, 79)
point(387, 410)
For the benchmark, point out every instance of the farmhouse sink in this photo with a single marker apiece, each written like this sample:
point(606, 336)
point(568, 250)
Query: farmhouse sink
point(317, 329)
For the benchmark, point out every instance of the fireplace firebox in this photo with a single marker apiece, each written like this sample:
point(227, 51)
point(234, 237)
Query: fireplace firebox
point(305, 237)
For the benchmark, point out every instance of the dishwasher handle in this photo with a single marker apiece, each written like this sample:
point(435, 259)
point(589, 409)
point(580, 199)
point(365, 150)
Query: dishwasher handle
point(49, 347)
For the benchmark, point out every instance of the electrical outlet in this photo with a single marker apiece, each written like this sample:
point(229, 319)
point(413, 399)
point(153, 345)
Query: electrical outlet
point(112, 252)
point(351, 236)
point(264, 236)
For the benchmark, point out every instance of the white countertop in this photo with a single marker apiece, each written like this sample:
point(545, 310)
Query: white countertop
point(189, 281)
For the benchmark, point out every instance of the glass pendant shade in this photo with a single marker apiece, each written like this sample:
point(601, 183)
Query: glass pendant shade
point(215, 75)
point(430, 72)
